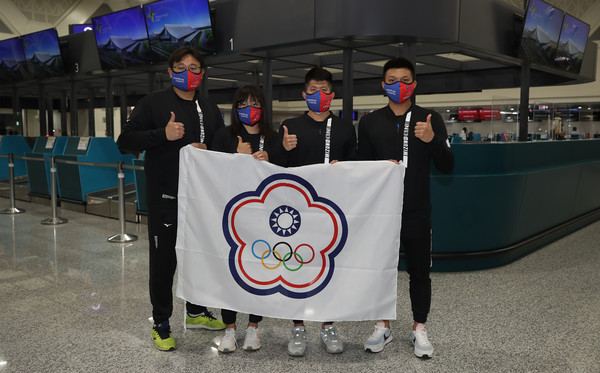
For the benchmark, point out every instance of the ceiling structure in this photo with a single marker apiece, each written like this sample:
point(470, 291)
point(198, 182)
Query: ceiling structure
point(287, 64)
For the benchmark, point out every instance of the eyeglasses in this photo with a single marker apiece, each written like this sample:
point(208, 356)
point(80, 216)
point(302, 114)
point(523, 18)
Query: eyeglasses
point(249, 102)
point(194, 69)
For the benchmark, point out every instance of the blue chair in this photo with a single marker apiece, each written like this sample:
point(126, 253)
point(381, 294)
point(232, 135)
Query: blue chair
point(476, 137)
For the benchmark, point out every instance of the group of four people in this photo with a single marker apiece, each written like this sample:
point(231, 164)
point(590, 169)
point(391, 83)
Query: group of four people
point(165, 121)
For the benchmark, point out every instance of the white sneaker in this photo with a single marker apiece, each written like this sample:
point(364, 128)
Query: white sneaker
point(380, 337)
point(228, 342)
point(423, 348)
point(331, 339)
point(297, 344)
point(252, 340)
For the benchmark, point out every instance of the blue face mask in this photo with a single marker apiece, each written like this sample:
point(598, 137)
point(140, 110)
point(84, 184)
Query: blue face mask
point(399, 92)
point(249, 115)
point(186, 81)
point(319, 101)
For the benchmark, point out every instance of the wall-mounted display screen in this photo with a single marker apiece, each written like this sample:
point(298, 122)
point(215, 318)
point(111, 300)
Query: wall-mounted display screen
point(541, 29)
point(175, 23)
point(122, 39)
point(42, 54)
point(12, 61)
point(571, 44)
point(74, 29)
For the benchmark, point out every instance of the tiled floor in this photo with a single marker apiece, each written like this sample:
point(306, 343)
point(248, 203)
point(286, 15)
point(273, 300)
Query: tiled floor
point(70, 301)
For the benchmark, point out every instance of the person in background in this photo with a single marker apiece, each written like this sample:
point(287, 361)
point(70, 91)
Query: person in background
point(249, 133)
point(302, 141)
point(402, 131)
point(161, 124)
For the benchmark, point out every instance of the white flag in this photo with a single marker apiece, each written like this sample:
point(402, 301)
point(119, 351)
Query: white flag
point(318, 242)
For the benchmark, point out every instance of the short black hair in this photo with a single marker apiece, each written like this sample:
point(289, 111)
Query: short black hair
point(318, 74)
point(399, 63)
point(179, 53)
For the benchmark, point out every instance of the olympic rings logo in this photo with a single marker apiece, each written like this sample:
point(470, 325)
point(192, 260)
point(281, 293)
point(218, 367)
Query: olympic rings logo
point(288, 255)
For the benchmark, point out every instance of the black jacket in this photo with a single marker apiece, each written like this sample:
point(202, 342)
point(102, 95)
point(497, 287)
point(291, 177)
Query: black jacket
point(311, 141)
point(145, 130)
point(225, 141)
point(381, 137)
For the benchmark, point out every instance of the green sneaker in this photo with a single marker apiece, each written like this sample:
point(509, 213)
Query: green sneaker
point(161, 334)
point(204, 321)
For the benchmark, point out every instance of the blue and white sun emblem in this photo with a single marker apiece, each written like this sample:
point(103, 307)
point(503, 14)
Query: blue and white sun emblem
point(284, 221)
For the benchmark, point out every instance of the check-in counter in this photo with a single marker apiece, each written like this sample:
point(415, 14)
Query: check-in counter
point(18, 146)
point(504, 200)
point(38, 172)
point(76, 181)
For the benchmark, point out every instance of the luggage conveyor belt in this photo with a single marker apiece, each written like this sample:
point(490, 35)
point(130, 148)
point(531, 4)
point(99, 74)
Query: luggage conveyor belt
point(106, 203)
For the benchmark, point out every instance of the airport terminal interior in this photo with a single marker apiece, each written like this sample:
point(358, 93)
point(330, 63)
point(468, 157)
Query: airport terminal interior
point(515, 227)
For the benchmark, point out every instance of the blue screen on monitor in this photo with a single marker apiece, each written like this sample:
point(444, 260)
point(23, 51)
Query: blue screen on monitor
point(80, 28)
point(12, 61)
point(175, 23)
point(571, 44)
point(122, 39)
point(42, 54)
point(540, 32)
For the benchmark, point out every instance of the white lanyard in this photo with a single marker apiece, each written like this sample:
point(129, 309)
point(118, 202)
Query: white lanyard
point(327, 140)
point(201, 117)
point(405, 142)
point(261, 144)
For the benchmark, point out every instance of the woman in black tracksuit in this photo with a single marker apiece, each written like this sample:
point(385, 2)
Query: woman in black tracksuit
point(249, 133)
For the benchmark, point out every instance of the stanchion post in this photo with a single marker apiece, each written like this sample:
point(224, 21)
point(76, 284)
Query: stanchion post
point(122, 237)
point(11, 184)
point(54, 220)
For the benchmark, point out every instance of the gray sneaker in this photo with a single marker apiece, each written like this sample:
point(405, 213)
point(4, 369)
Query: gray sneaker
point(331, 339)
point(380, 337)
point(297, 344)
point(423, 348)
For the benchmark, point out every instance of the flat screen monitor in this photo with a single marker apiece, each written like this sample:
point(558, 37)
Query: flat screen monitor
point(571, 44)
point(12, 61)
point(42, 54)
point(175, 23)
point(541, 29)
point(122, 39)
point(74, 29)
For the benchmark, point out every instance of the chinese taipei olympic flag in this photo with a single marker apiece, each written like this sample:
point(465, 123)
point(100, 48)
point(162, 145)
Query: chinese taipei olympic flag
point(318, 242)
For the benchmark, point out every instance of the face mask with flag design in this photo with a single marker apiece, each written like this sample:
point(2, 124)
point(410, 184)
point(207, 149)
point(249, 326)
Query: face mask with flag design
point(319, 101)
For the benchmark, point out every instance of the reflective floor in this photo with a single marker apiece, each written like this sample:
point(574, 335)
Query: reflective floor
point(70, 301)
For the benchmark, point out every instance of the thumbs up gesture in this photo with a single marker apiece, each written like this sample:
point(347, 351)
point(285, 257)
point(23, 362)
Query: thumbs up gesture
point(289, 141)
point(424, 131)
point(243, 147)
point(174, 130)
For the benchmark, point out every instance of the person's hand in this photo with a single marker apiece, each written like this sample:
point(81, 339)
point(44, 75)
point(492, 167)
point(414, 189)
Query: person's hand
point(334, 161)
point(424, 131)
point(243, 147)
point(289, 141)
point(394, 161)
point(199, 145)
point(261, 156)
point(174, 130)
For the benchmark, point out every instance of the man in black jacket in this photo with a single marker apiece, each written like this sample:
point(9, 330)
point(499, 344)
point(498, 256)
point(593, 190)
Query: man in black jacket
point(402, 131)
point(315, 137)
point(161, 124)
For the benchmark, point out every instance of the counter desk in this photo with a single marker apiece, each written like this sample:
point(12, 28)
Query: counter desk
point(504, 200)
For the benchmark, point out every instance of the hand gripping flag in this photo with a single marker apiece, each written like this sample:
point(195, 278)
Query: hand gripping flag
point(316, 243)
